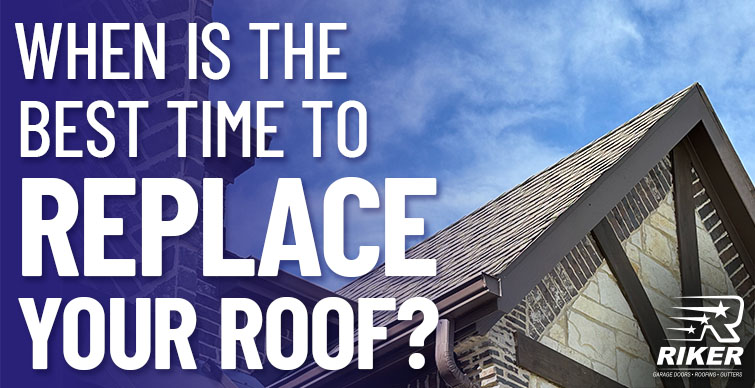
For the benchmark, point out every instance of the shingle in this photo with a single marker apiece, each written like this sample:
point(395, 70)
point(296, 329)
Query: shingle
point(493, 236)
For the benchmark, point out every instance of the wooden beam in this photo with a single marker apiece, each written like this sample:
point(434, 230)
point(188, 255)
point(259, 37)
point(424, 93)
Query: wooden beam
point(686, 227)
point(730, 179)
point(554, 366)
point(686, 234)
point(630, 286)
point(542, 255)
point(724, 199)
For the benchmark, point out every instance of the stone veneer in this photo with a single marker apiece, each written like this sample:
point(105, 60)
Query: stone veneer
point(598, 329)
point(579, 310)
point(490, 359)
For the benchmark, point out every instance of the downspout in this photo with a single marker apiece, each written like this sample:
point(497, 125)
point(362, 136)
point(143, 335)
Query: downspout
point(448, 370)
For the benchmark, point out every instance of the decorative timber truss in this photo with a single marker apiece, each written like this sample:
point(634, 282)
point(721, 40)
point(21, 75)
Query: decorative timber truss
point(492, 261)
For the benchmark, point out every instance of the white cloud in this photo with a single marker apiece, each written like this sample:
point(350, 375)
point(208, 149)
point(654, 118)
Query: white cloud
point(484, 95)
point(541, 57)
point(495, 73)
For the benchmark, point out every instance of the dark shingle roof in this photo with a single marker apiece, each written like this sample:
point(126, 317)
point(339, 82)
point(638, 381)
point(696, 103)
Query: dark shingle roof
point(493, 236)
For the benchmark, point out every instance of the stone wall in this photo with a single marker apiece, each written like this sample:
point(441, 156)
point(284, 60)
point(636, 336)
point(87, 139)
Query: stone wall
point(491, 359)
point(579, 310)
point(599, 330)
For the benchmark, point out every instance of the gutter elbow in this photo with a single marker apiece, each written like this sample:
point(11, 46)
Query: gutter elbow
point(448, 370)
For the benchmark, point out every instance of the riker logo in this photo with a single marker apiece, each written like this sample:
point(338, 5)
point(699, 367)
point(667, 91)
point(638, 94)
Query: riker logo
point(720, 320)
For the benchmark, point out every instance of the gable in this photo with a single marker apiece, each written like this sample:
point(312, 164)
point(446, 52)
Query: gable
point(505, 269)
point(581, 294)
point(492, 238)
point(579, 310)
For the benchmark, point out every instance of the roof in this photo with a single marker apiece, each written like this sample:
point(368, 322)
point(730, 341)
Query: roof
point(510, 243)
point(493, 237)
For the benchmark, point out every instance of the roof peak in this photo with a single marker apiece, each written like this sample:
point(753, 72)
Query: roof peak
point(507, 208)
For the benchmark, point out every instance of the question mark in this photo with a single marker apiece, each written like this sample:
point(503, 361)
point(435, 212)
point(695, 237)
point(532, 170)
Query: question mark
point(420, 333)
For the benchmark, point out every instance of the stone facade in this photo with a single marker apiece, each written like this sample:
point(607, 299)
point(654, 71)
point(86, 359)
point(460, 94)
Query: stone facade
point(578, 309)
point(599, 331)
point(491, 359)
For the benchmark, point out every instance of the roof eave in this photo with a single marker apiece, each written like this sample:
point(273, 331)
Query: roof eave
point(467, 304)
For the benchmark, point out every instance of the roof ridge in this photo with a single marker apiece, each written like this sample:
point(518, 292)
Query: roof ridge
point(679, 94)
point(675, 98)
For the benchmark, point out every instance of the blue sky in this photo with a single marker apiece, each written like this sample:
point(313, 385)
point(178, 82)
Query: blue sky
point(480, 95)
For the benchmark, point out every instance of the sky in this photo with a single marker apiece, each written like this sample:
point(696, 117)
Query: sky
point(480, 95)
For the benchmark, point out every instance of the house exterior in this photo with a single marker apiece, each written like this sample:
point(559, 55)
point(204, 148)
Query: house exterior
point(576, 276)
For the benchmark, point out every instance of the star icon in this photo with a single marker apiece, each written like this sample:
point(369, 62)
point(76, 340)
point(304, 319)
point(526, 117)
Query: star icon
point(721, 310)
point(704, 319)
